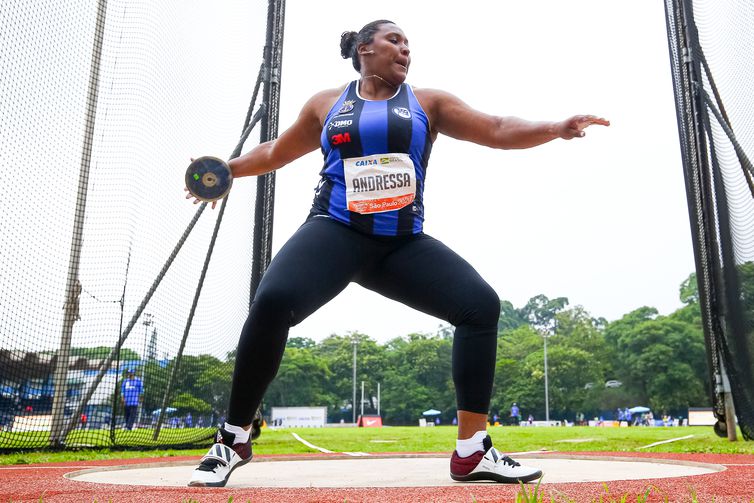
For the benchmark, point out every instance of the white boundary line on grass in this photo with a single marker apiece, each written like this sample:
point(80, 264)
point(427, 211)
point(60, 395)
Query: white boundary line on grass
point(310, 445)
point(666, 441)
point(322, 449)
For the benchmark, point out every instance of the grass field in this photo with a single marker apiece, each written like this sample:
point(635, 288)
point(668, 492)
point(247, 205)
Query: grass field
point(437, 439)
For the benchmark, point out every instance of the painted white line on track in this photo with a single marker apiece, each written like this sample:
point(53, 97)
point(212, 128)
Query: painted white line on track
point(322, 449)
point(309, 444)
point(666, 441)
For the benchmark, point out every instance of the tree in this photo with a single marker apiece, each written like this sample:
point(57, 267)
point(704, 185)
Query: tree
point(519, 353)
point(579, 344)
point(301, 380)
point(300, 342)
point(186, 402)
point(664, 361)
point(541, 311)
point(418, 376)
point(578, 357)
point(689, 290)
point(337, 351)
point(510, 317)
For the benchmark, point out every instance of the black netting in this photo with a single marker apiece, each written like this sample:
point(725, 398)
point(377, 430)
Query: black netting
point(104, 266)
point(713, 79)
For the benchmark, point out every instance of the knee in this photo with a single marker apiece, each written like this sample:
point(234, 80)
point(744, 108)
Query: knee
point(272, 306)
point(482, 308)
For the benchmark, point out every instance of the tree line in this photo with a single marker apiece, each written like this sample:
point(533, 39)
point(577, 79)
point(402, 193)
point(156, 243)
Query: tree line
point(647, 358)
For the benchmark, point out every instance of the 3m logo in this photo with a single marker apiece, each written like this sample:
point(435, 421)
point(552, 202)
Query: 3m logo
point(337, 139)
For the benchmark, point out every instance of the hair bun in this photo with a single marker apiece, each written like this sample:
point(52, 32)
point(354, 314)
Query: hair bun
point(347, 43)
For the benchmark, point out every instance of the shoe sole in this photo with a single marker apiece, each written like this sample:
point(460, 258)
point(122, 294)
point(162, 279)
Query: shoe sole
point(496, 477)
point(220, 483)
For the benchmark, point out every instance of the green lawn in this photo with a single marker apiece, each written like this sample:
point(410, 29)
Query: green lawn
point(436, 439)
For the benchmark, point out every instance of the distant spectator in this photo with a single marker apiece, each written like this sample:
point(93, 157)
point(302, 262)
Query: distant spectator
point(530, 420)
point(515, 413)
point(131, 392)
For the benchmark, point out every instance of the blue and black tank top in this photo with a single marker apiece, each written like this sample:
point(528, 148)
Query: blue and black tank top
point(376, 155)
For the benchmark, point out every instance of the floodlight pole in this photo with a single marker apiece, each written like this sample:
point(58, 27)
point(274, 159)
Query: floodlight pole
point(378, 399)
point(147, 321)
point(547, 392)
point(355, 343)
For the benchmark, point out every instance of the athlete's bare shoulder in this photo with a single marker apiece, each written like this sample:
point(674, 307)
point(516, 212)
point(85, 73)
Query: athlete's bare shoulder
point(321, 103)
point(429, 97)
point(431, 101)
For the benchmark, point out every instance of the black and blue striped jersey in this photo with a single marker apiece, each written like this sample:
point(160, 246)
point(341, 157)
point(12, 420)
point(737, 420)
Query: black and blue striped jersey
point(375, 160)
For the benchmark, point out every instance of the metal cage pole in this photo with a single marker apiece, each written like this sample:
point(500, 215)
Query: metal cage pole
point(73, 286)
point(265, 198)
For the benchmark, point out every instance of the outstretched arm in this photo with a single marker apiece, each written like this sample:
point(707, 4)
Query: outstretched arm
point(451, 116)
point(296, 141)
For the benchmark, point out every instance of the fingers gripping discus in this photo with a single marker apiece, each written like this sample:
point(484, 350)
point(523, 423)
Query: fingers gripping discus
point(209, 178)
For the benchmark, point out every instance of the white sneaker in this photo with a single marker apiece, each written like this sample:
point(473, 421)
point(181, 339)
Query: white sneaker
point(217, 465)
point(490, 465)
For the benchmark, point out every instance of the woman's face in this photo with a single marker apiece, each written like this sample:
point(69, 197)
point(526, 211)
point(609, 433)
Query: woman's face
point(391, 57)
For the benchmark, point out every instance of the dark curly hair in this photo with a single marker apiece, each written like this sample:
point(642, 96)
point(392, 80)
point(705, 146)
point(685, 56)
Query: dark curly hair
point(350, 40)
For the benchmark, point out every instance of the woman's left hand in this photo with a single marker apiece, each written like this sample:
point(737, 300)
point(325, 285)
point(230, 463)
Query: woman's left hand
point(573, 127)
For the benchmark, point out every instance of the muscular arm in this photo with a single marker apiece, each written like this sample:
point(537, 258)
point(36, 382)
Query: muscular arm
point(296, 141)
point(452, 117)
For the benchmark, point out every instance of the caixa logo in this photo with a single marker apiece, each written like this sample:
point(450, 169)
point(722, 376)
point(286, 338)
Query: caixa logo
point(402, 112)
point(366, 162)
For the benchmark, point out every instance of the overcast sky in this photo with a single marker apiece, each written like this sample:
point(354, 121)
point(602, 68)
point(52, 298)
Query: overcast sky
point(602, 220)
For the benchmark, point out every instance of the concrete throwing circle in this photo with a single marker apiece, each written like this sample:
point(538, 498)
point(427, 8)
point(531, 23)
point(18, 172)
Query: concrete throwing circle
point(404, 471)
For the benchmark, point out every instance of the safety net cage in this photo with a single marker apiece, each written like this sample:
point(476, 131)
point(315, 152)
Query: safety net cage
point(712, 60)
point(120, 301)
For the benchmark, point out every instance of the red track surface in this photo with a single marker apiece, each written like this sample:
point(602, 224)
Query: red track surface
point(32, 482)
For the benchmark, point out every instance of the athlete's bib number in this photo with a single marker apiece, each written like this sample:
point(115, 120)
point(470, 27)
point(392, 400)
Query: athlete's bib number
point(379, 183)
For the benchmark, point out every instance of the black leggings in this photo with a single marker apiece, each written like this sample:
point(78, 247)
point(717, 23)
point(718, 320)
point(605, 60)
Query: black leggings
point(321, 259)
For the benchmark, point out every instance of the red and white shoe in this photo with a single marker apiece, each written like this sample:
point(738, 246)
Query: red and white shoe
point(490, 465)
point(223, 457)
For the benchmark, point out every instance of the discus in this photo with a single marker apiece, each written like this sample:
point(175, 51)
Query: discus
point(209, 178)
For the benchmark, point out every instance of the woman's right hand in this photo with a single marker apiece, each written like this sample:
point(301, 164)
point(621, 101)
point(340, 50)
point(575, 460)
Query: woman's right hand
point(189, 195)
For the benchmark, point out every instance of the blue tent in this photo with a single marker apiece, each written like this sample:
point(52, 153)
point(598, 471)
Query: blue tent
point(169, 410)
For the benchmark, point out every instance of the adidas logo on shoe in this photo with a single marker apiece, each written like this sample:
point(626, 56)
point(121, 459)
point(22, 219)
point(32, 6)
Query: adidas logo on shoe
point(223, 457)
